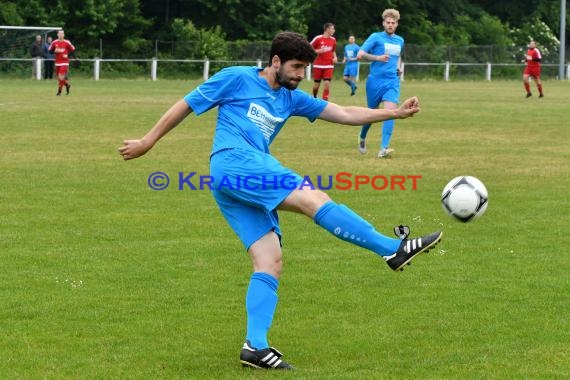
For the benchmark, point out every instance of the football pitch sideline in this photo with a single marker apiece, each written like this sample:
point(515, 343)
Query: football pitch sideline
point(104, 277)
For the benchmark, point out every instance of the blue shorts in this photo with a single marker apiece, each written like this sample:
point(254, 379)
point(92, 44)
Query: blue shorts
point(350, 70)
point(248, 186)
point(378, 91)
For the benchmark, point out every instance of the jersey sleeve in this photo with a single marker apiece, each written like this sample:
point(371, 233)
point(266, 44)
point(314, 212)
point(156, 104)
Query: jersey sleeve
point(212, 93)
point(368, 45)
point(307, 106)
point(314, 42)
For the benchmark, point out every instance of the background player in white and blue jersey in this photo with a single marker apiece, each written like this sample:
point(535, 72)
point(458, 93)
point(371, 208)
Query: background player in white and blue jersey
point(350, 61)
point(253, 105)
point(384, 49)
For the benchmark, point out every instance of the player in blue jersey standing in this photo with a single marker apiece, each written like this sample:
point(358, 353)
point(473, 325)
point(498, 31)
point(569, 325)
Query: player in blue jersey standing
point(350, 61)
point(253, 105)
point(384, 49)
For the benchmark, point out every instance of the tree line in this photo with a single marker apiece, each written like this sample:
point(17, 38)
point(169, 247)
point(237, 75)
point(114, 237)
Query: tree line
point(210, 24)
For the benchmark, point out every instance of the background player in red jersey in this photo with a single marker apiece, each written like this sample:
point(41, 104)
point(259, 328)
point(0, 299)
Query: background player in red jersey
point(63, 49)
point(532, 69)
point(325, 46)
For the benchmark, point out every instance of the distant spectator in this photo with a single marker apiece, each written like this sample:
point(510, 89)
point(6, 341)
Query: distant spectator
point(48, 57)
point(36, 53)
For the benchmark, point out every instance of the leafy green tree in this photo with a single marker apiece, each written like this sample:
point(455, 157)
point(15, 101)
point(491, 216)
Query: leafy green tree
point(545, 38)
point(133, 25)
point(89, 21)
point(15, 13)
point(251, 19)
point(195, 43)
point(9, 14)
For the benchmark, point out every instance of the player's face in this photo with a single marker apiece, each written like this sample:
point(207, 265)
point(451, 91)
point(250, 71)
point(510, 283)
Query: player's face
point(351, 39)
point(390, 24)
point(60, 35)
point(532, 44)
point(291, 73)
point(330, 30)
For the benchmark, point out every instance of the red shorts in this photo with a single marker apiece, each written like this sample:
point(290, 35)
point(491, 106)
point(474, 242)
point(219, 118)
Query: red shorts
point(325, 74)
point(532, 71)
point(61, 70)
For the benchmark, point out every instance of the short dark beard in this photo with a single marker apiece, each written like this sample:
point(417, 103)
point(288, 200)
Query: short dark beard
point(287, 84)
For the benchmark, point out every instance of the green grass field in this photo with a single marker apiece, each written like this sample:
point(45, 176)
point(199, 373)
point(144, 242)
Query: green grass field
point(102, 277)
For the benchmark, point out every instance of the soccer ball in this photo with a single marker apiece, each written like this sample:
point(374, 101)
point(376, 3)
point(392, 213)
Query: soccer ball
point(464, 198)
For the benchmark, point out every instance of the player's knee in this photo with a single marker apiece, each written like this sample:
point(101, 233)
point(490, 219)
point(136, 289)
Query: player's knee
point(305, 201)
point(314, 202)
point(272, 264)
point(278, 268)
point(322, 196)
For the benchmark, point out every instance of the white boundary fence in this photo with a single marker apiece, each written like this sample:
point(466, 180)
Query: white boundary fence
point(155, 64)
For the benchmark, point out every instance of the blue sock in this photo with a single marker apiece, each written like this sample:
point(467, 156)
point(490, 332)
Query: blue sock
point(260, 304)
point(364, 130)
point(345, 224)
point(387, 129)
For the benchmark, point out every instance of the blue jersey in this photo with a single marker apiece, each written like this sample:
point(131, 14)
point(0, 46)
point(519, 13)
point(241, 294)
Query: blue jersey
point(350, 53)
point(250, 113)
point(380, 43)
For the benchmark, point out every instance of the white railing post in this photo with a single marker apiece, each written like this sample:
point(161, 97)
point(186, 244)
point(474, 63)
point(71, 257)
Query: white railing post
point(96, 68)
point(488, 72)
point(446, 73)
point(153, 68)
point(402, 72)
point(308, 70)
point(206, 73)
point(568, 72)
point(38, 63)
point(259, 64)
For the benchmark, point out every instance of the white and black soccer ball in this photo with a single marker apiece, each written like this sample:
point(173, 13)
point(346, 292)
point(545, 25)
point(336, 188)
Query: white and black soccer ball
point(465, 198)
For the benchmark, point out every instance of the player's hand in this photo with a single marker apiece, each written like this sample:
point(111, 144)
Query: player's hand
point(408, 108)
point(384, 58)
point(134, 148)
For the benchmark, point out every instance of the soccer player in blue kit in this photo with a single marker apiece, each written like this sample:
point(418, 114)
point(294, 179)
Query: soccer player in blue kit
point(253, 105)
point(383, 83)
point(350, 61)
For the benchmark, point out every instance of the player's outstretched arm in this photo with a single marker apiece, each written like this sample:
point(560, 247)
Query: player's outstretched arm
point(371, 57)
point(352, 115)
point(174, 116)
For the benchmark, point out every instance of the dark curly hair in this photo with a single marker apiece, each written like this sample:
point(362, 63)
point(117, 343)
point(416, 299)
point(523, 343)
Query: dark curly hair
point(290, 45)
